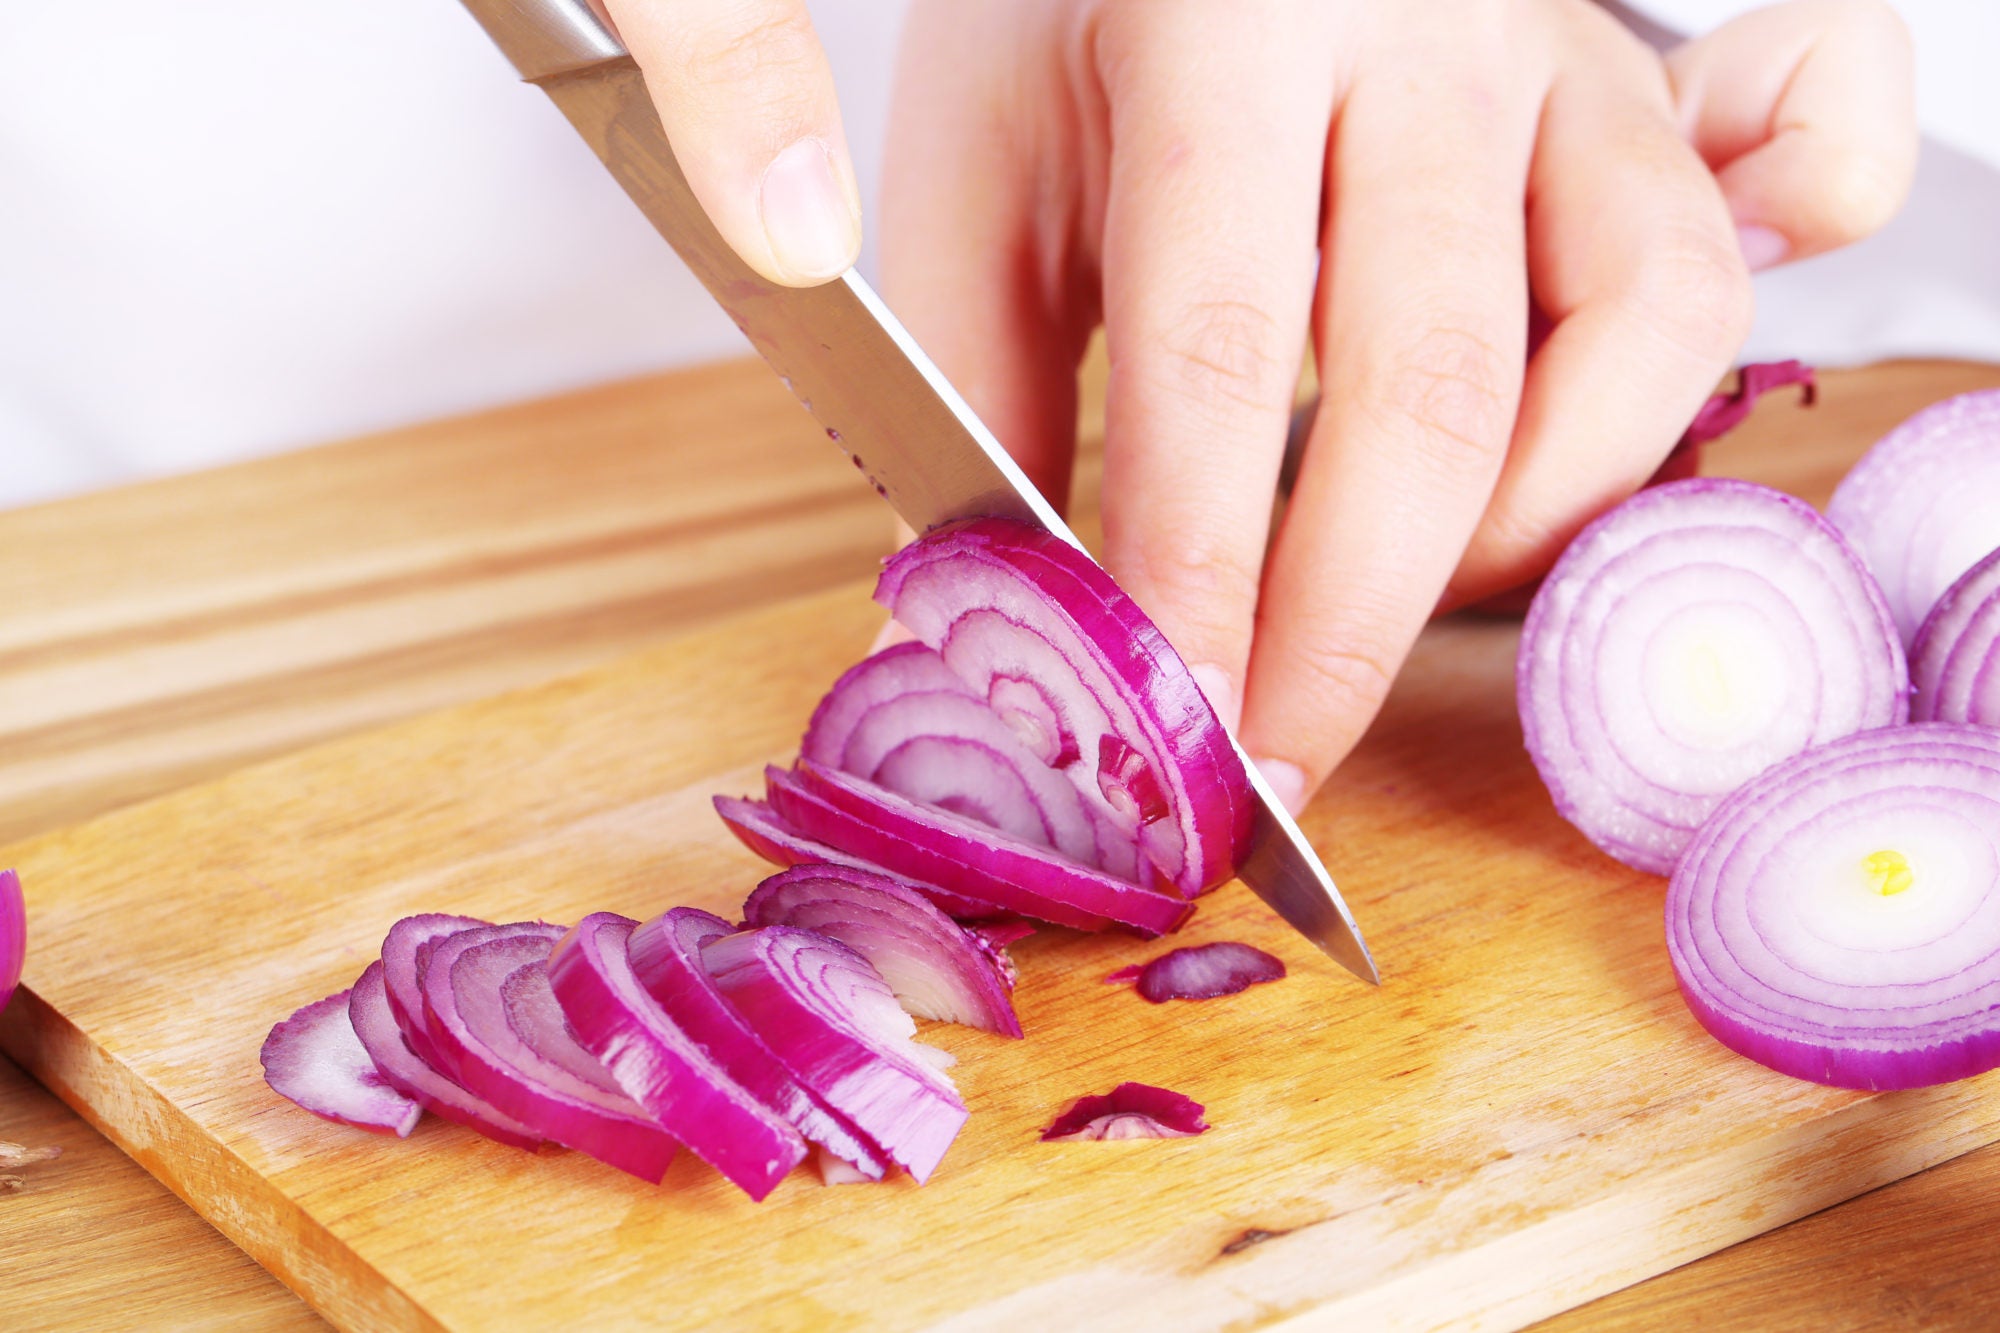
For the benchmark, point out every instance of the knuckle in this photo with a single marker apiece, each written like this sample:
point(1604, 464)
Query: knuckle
point(1223, 349)
point(778, 40)
point(1453, 389)
point(1346, 680)
point(1694, 287)
point(1208, 581)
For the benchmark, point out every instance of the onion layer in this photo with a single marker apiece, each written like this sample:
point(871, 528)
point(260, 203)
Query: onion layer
point(1955, 661)
point(13, 934)
point(375, 1024)
point(1129, 1111)
point(1838, 919)
point(1923, 505)
point(1686, 641)
point(315, 1059)
point(935, 968)
point(401, 949)
point(1205, 972)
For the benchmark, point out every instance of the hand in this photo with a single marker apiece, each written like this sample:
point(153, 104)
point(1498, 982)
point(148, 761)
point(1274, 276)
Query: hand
point(1172, 166)
point(744, 91)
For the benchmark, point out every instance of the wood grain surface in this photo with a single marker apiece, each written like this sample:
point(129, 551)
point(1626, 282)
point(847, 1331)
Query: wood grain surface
point(1904, 1257)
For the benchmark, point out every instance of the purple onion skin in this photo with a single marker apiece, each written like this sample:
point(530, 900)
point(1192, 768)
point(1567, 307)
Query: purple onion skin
point(375, 1024)
point(315, 1060)
point(660, 1066)
point(1955, 658)
point(917, 948)
point(13, 934)
point(1129, 1111)
point(1874, 1045)
point(778, 978)
point(665, 956)
point(1207, 971)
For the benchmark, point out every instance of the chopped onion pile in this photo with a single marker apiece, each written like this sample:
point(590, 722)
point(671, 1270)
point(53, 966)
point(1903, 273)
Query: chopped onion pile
point(1129, 1111)
point(1687, 640)
point(1203, 972)
point(1839, 917)
point(1955, 661)
point(1923, 505)
point(13, 934)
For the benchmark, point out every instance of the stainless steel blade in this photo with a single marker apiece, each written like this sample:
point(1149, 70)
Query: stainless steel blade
point(855, 369)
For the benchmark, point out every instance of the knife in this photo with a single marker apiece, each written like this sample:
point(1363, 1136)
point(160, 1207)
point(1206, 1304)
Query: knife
point(855, 369)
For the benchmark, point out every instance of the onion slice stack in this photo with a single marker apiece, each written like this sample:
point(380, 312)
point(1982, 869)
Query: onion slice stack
point(13, 934)
point(1923, 505)
point(1686, 641)
point(1955, 661)
point(1838, 919)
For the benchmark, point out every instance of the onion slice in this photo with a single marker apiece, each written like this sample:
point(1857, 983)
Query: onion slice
point(315, 1059)
point(13, 934)
point(1686, 641)
point(766, 832)
point(1923, 505)
point(374, 1023)
point(829, 1016)
point(660, 1066)
point(482, 990)
point(665, 956)
point(936, 969)
point(1129, 1111)
point(1838, 919)
point(1203, 972)
point(404, 994)
point(1955, 661)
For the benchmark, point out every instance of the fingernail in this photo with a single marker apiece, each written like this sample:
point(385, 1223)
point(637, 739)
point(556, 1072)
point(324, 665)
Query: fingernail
point(1762, 246)
point(1288, 782)
point(1221, 695)
point(806, 218)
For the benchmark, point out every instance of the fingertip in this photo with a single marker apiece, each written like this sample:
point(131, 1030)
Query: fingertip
point(1287, 781)
point(1763, 247)
point(811, 221)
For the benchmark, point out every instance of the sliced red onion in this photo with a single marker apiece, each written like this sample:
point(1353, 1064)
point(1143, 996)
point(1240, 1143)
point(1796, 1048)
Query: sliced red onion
point(1955, 661)
point(476, 1020)
point(662, 1067)
point(1125, 975)
point(375, 1024)
point(1838, 918)
point(936, 846)
point(836, 1170)
point(13, 934)
point(1724, 412)
point(1077, 670)
point(935, 968)
point(1923, 505)
point(315, 1059)
point(404, 992)
point(665, 954)
point(993, 937)
point(1686, 641)
point(829, 1016)
point(766, 832)
point(1203, 972)
point(1129, 1111)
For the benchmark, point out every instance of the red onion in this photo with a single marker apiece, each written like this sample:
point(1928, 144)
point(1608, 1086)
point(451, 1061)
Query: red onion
point(665, 955)
point(1724, 412)
point(1203, 972)
point(13, 934)
point(497, 1027)
point(315, 1059)
point(405, 995)
point(993, 937)
point(375, 1024)
point(836, 1026)
point(764, 831)
point(663, 1068)
point(1955, 660)
point(1087, 681)
point(1686, 641)
point(1923, 505)
point(935, 846)
point(935, 968)
point(1838, 919)
point(1129, 1111)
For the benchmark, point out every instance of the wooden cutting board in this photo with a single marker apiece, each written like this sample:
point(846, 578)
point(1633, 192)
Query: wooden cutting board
point(1522, 1117)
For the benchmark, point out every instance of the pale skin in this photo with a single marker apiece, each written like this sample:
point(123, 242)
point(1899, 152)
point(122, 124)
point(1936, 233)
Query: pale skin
point(1169, 169)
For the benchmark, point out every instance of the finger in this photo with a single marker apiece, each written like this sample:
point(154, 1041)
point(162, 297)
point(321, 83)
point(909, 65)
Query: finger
point(1807, 113)
point(1219, 133)
point(1632, 254)
point(747, 100)
point(976, 247)
point(1420, 324)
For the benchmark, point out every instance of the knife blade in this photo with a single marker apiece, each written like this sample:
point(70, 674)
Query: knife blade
point(860, 374)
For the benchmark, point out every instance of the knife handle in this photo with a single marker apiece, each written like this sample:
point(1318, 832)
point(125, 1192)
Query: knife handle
point(544, 38)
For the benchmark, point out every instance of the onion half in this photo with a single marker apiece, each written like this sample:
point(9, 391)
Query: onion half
point(1838, 919)
point(936, 969)
point(315, 1059)
point(1686, 641)
point(13, 934)
point(1955, 661)
point(375, 1024)
point(1923, 505)
point(836, 1026)
point(660, 1066)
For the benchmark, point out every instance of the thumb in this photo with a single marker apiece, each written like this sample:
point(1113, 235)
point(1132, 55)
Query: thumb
point(1806, 112)
point(747, 99)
